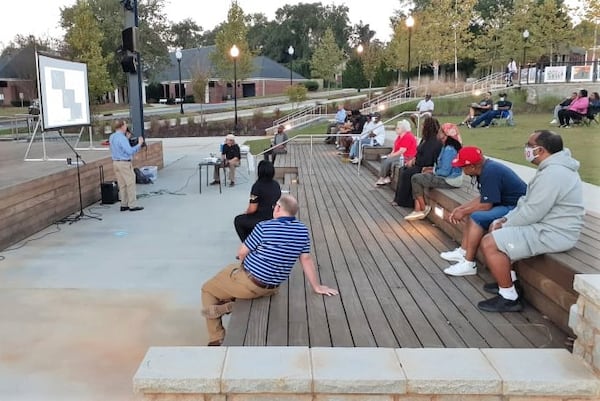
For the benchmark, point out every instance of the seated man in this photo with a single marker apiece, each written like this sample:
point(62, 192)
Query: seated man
point(278, 144)
point(230, 155)
point(354, 127)
point(562, 105)
point(424, 109)
point(266, 259)
point(499, 190)
point(373, 134)
point(340, 118)
point(476, 109)
point(549, 218)
point(500, 109)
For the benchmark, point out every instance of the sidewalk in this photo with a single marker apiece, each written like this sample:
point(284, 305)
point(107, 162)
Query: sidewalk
point(80, 307)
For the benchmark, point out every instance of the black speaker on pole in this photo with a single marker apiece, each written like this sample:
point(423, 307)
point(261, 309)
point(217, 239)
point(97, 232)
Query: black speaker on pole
point(129, 36)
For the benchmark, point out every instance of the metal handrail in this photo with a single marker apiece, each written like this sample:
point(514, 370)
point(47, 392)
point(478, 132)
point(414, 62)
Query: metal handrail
point(485, 82)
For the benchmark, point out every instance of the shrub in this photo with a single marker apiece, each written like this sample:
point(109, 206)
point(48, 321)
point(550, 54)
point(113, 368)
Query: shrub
point(171, 100)
point(189, 99)
point(311, 86)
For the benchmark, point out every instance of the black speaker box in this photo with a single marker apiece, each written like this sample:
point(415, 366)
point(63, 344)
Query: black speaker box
point(129, 36)
point(110, 192)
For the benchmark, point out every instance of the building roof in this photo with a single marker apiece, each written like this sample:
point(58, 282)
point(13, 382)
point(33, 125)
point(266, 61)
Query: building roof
point(19, 65)
point(198, 59)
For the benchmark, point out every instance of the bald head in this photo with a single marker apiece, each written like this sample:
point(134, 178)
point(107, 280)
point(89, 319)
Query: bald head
point(289, 204)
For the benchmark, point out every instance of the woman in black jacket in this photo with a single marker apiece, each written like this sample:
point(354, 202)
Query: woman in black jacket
point(427, 153)
point(264, 194)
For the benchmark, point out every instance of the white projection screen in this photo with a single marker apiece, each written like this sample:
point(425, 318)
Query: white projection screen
point(63, 89)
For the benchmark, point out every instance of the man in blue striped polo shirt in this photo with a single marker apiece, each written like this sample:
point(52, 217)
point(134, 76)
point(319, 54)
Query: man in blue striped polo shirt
point(267, 257)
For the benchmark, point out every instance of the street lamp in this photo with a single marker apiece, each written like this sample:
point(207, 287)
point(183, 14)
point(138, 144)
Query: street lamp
point(410, 22)
point(235, 52)
point(359, 50)
point(291, 53)
point(525, 38)
point(178, 56)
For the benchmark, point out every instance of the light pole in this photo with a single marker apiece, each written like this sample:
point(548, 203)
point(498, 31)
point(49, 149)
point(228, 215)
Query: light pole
point(359, 50)
point(235, 52)
point(410, 22)
point(178, 56)
point(525, 38)
point(291, 53)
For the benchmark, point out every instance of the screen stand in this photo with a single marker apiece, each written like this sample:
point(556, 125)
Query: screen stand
point(91, 147)
point(44, 154)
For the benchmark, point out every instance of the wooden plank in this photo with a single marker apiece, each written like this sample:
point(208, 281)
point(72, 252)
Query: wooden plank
point(238, 323)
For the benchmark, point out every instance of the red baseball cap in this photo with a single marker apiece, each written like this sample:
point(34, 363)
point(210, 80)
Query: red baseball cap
point(468, 155)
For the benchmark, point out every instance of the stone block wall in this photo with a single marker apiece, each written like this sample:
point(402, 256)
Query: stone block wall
point(584, 319)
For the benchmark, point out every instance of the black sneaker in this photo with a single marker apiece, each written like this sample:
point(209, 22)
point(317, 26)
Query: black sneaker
point(500, 304)
point(492, 288)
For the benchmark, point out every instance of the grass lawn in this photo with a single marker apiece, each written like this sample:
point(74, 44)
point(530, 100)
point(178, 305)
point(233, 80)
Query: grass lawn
point(505, 142)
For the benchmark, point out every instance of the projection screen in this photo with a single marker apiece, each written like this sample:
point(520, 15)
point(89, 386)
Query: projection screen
point(63, 89)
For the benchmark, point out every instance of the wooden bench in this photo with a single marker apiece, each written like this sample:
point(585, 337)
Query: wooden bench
point(547, 279)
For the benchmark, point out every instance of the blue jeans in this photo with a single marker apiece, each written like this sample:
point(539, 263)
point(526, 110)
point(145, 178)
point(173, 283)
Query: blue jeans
point(362, 142)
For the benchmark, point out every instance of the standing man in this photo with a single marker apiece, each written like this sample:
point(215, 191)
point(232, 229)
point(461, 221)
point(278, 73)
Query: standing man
point(511, 71)
point(122, 153)
point(499, 188)
point(267, 257)
point(424, 109)
point(549, 218)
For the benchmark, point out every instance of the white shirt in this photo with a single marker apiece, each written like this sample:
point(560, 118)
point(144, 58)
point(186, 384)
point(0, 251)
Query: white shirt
point(425, 105)
point(512, 66)
point(377, 128)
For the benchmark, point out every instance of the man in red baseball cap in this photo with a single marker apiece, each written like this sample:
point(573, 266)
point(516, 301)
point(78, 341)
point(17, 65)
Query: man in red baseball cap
point(500, 189)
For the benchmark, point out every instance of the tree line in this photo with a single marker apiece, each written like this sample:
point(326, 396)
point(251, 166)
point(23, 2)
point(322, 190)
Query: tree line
point(471, 36)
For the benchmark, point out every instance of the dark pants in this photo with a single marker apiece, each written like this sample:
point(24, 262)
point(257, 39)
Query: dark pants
point(565, 115)
point(404, 195)
point(272, 155)
point(244, 224)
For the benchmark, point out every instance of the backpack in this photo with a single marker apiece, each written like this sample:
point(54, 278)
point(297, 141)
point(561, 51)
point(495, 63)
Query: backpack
point(141, 178)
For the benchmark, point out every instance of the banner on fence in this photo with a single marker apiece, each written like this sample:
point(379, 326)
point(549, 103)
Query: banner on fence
point(581, 73)
point(555, 74)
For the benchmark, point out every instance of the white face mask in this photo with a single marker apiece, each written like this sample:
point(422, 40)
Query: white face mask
point(529, 156)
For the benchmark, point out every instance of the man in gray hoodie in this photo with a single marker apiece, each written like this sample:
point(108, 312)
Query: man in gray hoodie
point(548, 218)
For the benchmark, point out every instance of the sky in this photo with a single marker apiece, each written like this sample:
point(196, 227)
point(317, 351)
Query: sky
point(41, 17)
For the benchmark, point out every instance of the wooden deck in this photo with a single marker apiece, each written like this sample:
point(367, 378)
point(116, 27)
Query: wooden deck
point(393, 292)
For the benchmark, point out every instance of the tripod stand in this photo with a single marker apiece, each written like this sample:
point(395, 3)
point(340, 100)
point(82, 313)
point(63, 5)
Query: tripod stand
point(81, 214)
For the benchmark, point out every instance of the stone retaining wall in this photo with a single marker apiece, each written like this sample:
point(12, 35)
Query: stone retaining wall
point(584, 319)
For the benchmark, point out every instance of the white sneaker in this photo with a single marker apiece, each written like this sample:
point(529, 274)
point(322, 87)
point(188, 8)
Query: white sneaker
point(464, 268)
point(455, 255)
point(355, 160)
point(380, 182)
point(415, 216)
point(387, 180)
point(553, 121)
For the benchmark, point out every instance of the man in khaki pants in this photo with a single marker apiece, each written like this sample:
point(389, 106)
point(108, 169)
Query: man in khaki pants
point(267, 257)
point(122, 154)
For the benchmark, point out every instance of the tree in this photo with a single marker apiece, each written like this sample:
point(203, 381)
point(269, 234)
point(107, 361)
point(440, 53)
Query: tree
point(234, 32)
point(199, 83)
point(326, 58)
point(185, 34)
point(296, 93)
point(83, 39)
point(371, 60)
point(152, 34)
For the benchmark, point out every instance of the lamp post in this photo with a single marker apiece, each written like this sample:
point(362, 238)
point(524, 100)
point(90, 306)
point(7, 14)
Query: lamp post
point(178, 56)
point(410, 22)
point(291, 53)
point(525, 38)
point(359, 51)
point(235, 52)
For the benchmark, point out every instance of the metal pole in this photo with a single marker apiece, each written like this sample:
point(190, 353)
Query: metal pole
point(291, 64)
point(180, 87)
point(408, 74)
point(235, 94)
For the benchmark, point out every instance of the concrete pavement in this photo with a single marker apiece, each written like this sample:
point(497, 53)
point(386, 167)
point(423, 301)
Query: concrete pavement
point(80, 306)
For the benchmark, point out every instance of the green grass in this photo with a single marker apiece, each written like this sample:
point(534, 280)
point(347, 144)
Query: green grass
point(505, 142)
